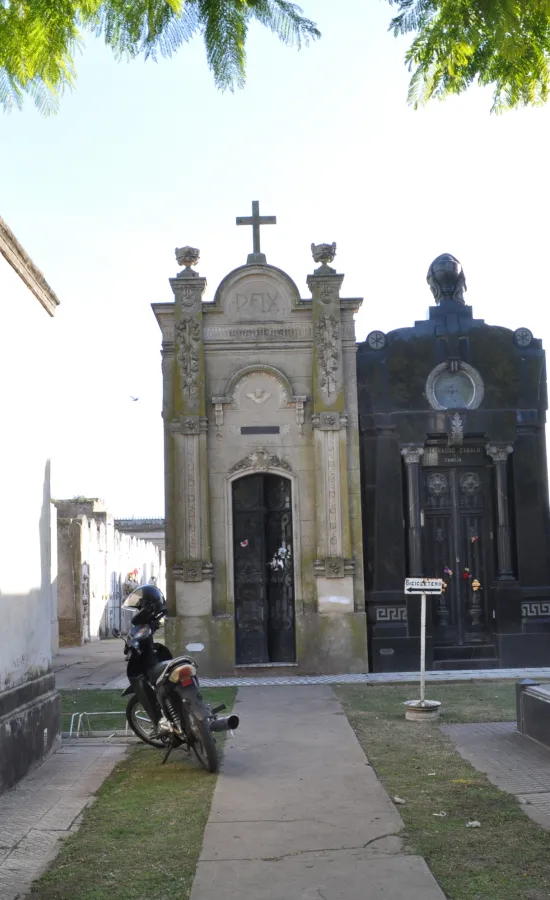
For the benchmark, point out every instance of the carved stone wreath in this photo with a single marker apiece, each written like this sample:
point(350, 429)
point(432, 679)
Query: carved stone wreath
point(327, 333)
point(261, 459)
point(188, 335)
point(437, 484)
point(470, 483)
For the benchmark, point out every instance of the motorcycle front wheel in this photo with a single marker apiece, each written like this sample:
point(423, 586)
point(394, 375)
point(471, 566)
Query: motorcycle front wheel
point(141, 724)
point(204, 744)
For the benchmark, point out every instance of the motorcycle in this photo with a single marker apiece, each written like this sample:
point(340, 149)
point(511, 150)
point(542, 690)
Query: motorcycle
point(166, 708)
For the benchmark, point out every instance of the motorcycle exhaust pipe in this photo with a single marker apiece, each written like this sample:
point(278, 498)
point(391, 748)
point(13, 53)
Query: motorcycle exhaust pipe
point(225, 723)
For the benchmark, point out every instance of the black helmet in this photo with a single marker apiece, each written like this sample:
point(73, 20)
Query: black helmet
point(147, 599)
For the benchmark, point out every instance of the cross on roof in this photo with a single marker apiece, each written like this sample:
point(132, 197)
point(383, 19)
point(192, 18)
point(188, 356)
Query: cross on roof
point(256, 220)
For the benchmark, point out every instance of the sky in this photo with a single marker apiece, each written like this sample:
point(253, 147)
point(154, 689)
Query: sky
point(143, 157)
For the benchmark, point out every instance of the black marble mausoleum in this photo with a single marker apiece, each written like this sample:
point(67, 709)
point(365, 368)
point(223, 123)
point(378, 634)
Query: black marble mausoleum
point(454, 478)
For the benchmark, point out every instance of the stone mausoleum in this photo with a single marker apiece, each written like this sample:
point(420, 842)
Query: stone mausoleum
point(454, 476)
point(307, 476)
point(264, 547)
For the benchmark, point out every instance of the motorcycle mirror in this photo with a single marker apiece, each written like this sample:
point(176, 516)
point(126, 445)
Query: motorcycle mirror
point(116, 632)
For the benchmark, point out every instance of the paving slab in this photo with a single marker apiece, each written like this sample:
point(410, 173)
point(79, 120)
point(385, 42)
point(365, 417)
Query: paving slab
point(46, 807)
point(510, 760)
point(298, 813)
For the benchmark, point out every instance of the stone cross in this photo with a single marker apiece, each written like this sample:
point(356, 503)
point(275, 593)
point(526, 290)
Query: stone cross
point(256, 220)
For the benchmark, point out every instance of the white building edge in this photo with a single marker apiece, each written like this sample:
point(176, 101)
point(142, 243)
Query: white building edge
point(29, 705)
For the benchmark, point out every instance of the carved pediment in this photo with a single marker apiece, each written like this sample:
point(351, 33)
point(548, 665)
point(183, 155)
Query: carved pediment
point(257, 294)
point(261, 459)
point(260, 391)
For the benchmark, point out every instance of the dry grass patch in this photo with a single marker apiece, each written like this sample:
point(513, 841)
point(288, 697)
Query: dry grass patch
point(508, 857)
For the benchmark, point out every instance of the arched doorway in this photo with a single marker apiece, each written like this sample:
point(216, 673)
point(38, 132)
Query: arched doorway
point(263, 563)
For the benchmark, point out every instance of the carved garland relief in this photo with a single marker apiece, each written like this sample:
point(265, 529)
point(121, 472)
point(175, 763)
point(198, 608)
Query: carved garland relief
point(188, 336)
point(327, 334)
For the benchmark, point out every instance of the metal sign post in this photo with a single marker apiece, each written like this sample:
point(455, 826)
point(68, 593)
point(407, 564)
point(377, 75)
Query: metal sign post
point(423, 649)
point(423, 709)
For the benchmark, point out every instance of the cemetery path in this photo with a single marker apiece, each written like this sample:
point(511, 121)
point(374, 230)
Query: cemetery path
point(298, 813)
point(45, 807)
point(89, 667)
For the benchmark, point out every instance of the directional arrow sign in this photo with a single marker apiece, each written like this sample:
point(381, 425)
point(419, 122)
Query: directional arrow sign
point(423, 585)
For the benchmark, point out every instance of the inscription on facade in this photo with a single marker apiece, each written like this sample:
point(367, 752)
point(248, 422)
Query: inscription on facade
point(454, 456)
point(257, 298)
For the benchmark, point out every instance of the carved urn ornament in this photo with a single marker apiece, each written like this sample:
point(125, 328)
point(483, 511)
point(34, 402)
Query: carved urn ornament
point(446, 279)
point(187, 256)
point(323, 253)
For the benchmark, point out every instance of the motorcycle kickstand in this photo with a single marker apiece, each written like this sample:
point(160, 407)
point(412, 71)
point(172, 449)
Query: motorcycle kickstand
point(171, 746)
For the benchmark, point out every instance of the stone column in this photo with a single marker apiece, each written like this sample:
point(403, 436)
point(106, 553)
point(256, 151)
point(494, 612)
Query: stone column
point(412, 455)
point(334, 566)
point(187, 493)
point(499, 453)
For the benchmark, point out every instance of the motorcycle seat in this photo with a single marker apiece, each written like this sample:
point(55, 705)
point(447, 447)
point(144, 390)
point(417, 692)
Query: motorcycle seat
point(157, 671)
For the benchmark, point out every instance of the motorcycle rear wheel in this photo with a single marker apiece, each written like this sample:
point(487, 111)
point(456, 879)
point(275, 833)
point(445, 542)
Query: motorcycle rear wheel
point(141, 724)
point(204, 744)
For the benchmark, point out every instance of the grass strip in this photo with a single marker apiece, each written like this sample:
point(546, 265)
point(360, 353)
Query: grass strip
point(508, 857)
point(92, 702)
point(143, 835)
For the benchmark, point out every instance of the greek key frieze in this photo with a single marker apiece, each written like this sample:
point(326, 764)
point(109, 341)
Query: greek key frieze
point(535, 609)
point(391, 613)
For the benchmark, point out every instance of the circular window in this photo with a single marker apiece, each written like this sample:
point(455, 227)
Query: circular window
point(459, 387)
point(454, 390)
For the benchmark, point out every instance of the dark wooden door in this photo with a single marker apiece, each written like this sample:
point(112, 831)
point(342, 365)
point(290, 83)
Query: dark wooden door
point(263, 570)
point(457, 535)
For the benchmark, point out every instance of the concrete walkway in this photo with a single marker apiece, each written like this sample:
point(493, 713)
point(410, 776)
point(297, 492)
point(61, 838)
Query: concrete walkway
point(298, 813)
point(91, 666)
point(45, 807)
point(511, 761)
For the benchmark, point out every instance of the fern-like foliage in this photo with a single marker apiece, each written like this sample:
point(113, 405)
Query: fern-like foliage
point(502, 43)
point(39, 38)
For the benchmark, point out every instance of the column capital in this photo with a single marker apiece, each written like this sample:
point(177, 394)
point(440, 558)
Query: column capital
point(325, 287)
point(499, 452)
point(188, 292)
point(412, 453)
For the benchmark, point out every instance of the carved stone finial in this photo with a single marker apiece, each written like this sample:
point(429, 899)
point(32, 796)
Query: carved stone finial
point(323, 253)
point(187, 256)
point(446, 279)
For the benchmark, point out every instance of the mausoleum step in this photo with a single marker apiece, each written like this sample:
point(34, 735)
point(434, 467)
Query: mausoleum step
point(443, 664)
point(466, 652)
